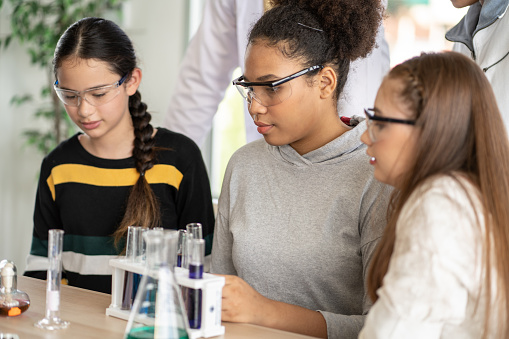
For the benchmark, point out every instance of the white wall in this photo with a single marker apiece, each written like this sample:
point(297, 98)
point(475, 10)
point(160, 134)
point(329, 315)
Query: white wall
point(159, 30)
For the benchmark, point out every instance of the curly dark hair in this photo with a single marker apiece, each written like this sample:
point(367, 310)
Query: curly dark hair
point(321, 32)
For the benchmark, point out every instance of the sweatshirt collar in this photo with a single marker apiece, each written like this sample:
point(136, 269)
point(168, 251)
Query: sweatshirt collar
point(332, 152)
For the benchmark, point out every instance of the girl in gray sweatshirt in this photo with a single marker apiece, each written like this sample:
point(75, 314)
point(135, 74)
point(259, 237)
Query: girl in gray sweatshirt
point(300, 213)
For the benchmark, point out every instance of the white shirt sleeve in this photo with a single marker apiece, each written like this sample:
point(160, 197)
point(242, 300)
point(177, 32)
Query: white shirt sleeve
point(205, 72)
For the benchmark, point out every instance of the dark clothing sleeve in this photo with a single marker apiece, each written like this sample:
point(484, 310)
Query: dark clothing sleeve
point(194, 201)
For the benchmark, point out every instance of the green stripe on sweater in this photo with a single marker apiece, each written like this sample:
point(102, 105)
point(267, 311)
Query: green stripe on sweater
point(86, 245)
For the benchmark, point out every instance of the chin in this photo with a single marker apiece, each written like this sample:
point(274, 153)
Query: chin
point(274, 141)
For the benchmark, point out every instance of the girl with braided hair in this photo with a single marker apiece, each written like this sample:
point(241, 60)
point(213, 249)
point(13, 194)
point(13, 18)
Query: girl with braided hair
point(120, 171)
point(440, 271)
point(300, 213)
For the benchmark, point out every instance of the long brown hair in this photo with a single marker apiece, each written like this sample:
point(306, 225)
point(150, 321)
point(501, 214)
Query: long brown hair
point(103, 40)
point(459, 121)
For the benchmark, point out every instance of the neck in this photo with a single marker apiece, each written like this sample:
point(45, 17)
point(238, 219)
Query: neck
point(330, 128)
point(111, 146)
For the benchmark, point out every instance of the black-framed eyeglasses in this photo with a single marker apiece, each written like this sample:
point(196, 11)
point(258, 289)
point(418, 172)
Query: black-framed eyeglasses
point(94, 96)
point(374, 128)
point(269, 93)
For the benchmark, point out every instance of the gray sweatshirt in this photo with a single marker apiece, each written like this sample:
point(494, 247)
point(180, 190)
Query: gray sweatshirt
point(302, 229)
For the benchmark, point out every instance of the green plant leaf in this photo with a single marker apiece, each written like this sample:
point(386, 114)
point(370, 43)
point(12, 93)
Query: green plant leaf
point(18, 100)
point(7, 41)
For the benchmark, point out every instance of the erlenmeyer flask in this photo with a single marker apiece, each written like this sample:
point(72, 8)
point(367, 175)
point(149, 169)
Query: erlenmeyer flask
point(158, 310)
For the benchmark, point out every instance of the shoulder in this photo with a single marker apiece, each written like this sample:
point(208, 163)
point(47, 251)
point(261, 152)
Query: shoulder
point(456, 189)
point(443, 207)
point(250, 152)
point(65, 152)
point(176, 143)
point(246, 162)
point(177, 149)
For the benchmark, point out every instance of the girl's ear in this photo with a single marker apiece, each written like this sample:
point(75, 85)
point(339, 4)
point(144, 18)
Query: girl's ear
point(134, 81)
point(327, 82)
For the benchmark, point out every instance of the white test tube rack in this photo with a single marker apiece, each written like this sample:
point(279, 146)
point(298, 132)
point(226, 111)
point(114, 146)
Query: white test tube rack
point(211, 286)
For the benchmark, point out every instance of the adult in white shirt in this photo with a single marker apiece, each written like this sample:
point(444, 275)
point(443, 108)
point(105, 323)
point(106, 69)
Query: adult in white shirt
point(218, 48)
point(483, 35)
point(440, 270)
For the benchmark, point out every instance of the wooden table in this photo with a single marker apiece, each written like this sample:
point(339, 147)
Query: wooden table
point(85, 310)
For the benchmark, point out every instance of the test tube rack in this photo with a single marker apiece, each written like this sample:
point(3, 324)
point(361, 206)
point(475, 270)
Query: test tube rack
point(211, 286)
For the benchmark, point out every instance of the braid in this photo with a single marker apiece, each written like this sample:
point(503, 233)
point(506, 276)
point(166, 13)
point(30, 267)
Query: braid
point(142, 205)
point(143, 152)
point(413, 91)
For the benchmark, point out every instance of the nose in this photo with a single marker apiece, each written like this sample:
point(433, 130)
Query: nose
point(365, 138)
point(256, 108)
point(85, 109)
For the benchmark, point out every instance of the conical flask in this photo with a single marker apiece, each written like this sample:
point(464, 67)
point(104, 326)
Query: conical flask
point(158, 310)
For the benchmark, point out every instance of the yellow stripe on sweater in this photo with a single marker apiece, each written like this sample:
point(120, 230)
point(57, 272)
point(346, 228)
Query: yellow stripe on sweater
point(89, 175)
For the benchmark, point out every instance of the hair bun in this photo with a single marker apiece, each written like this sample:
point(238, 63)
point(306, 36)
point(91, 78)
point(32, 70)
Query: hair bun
point(350, 25)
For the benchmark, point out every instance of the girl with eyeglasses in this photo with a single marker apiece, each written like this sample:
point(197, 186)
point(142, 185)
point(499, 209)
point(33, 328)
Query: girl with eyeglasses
point(119, 171)
point(300, 213)
point(440, 270)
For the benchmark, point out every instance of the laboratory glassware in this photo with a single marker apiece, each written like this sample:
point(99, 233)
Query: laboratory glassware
point(158, 310)
point(134, 254)
point(194, 296)
point(13, 302)
point(52, 320)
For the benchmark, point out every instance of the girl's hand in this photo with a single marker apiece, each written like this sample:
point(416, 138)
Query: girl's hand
point(242, 303)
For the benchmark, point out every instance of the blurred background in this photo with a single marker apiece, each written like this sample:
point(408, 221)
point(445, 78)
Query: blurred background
point(160, 31)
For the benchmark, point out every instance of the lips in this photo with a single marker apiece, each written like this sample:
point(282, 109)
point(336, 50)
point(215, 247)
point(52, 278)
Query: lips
point(90, 125)
point(263, 128)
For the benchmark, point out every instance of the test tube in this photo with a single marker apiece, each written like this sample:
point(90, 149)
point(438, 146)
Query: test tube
point(181, 246)
point(134, 253)
point(170, 248)
point(52, 320)
point(195, 230)
point(194, 296)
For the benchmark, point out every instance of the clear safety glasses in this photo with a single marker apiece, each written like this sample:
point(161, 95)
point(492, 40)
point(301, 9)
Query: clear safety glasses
point(269, 93)
point(377, 123)
point(94, 96)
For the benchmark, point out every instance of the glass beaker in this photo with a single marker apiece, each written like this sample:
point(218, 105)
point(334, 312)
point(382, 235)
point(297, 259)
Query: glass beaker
point(158, 310)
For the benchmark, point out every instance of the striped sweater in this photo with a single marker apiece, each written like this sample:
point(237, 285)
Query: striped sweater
point(86, 197)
